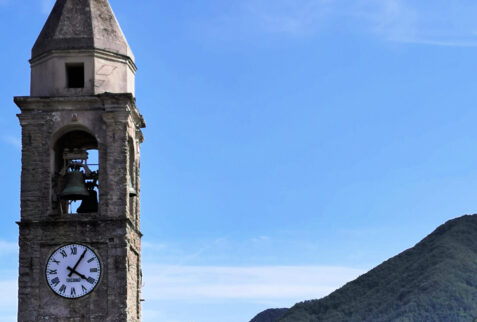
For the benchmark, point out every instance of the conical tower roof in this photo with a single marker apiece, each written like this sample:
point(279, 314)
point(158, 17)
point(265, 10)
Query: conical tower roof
point(82, 24)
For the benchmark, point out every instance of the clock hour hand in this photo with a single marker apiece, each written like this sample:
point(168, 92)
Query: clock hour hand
point(72, 270)
point(77, 263)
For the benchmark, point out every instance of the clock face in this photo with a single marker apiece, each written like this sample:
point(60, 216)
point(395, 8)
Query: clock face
point(73, 271)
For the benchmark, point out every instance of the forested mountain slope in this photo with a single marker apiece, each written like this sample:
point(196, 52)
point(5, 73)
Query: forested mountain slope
point(270, 315)
point(436, 280)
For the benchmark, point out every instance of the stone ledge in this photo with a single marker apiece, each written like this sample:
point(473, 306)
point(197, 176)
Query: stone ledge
point(108, 102)
point(84, 221)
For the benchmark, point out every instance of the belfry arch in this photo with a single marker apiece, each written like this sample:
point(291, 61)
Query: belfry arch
point(78, 149)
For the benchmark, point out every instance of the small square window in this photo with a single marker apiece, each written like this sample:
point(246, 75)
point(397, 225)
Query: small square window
point(75, 75)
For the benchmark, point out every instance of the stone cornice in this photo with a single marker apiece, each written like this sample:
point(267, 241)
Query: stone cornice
point(107, 102)
point(31, 119)
point(85, 52)
point(86, 220)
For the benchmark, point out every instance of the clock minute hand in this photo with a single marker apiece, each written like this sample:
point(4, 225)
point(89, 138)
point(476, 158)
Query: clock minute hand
point(77, 263)
point(72, 270)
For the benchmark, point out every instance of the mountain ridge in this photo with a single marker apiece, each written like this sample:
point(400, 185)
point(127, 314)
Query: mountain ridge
point(436, 280)
point(270, 315)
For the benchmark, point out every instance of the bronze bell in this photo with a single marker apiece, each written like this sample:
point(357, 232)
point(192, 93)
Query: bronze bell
point(131, 190)
point(75, 188)
point(90, 204)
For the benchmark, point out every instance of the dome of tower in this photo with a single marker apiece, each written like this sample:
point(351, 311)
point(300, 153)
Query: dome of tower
point(82, 24)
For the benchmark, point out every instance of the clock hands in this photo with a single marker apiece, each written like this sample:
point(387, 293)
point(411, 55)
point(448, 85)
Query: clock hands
point(73, 270)
point(65, 276)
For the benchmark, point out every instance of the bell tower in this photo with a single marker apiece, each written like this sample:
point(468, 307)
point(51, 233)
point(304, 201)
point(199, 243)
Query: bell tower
point(80, 239)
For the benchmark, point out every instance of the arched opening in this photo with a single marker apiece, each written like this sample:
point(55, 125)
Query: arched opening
point(75, 185)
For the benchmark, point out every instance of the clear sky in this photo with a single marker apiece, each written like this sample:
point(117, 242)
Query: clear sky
point(290, 145)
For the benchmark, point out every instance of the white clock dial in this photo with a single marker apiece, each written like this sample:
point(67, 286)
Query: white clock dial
point(73, 271)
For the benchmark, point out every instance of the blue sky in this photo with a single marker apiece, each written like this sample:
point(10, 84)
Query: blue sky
point(291, 144)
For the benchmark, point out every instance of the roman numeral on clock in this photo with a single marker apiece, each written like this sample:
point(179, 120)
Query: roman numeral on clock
point(62, 289)
point(55, 281)
point(76, 273)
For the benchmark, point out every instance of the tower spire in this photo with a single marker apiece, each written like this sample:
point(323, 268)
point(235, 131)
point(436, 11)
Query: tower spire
point(82, 24)
point(81, 51)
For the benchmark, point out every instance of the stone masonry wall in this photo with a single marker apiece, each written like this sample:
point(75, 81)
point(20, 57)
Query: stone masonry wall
point(113, 232)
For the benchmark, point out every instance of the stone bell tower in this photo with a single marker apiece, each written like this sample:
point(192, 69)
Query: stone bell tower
point(80, 240)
